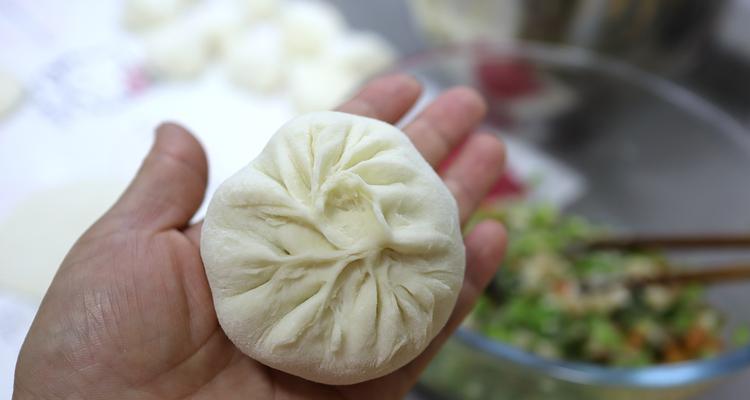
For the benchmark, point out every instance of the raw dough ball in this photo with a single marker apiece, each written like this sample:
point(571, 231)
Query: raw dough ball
point(255, 60)
point(145, 14)
point(310, 26)
point(10, 92)
point(259, 9)
point(217, 22)
point(336, 255)
point(177, 51)
point(37, 234)
point(361, 53)
point(319, 85)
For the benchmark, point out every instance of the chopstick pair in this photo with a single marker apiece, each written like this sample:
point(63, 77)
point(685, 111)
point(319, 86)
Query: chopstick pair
point(706, 274)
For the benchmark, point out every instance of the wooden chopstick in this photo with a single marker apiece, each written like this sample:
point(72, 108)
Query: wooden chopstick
point(718, 241)
point(705, 275)
point(673, 275)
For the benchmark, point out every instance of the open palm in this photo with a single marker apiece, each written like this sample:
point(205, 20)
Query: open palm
point(129, 313)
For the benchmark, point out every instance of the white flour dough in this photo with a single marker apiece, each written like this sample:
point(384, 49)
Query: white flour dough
point(217, 22)
point(255, 10)
point(255, 60)
point(336, 255)
point(147, 14)
point(319, 85)
point(310, 26)
point(11, 92)
point(37, 234)
point(361, 53)
point(177, 51)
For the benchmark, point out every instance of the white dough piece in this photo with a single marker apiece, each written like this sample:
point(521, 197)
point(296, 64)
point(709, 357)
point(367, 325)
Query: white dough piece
point(361, 53)
point(147, 14)
point(37, 234)
point(255, 59)
point(336, 255)
point(217, 22)
point(319, 85)
point(178, 51)
point(255, 10)
point(11, 92)
point(310, 26)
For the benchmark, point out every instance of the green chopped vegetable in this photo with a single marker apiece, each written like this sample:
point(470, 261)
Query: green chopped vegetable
point(575, 305)
point(741, 336)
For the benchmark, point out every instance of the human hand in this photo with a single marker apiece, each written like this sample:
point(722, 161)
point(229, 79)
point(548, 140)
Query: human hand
point(130, 315)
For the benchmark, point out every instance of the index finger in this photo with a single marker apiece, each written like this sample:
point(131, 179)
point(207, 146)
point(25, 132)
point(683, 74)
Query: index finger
point(387, 98)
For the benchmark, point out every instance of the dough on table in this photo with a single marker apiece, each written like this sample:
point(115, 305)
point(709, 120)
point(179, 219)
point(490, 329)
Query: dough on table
point(39, 231)
point(319, 85)
point(309, 27)
point(361, 53)
point(216, 22)
point(336, 255)
point(255, 10)
point(177, 51)
point(148, 14)
point(255, 60)
point(11, 92)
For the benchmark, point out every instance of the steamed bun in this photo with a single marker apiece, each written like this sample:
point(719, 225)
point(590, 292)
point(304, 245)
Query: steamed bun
point(336, 255)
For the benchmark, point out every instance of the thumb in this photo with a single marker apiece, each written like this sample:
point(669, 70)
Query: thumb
point(170, 185)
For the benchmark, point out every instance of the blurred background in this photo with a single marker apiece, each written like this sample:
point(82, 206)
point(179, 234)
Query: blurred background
point(631, 113)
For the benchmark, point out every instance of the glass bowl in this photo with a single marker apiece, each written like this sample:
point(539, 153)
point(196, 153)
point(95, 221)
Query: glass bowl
point(653, 158)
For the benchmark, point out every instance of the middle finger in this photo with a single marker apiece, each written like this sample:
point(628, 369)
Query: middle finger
point(445, 123)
